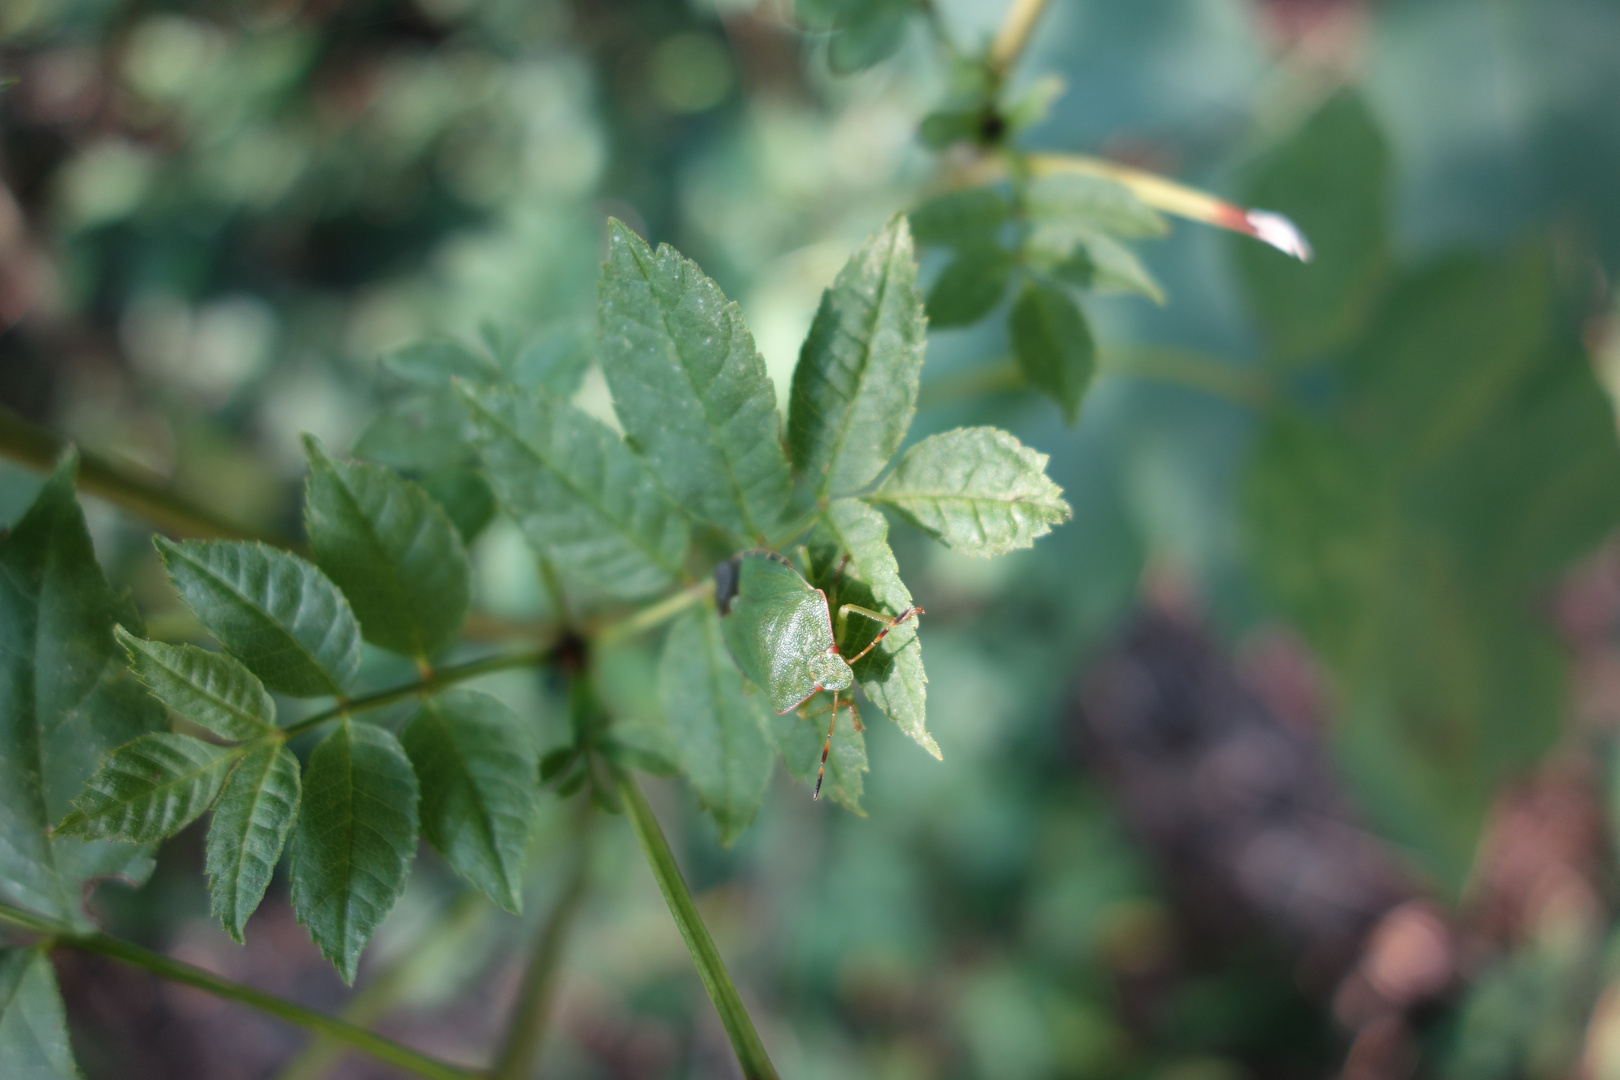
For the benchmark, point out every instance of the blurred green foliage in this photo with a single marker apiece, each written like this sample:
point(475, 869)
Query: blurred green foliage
point(224, 222)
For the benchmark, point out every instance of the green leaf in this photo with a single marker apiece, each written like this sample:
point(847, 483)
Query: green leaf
point(251, 821)
point(210, 689)
point(978, 490)
point(971, 218)
point(1411, 522)
point(1332, 178)
point(1053, 345)
point(33, 1025)
point(421, 432)
point(891, 675)
point(149, 789)
point(555, 359)
point(354, 841)
point(970, 287)
point(435, 363)
point(719, 729)
point(778, 629)
point(476, 766)
point(391, 549)
point(865, 31)
point(465, 496)
point(1116, 269)
point(277, 613)
point(1085, 206)
point(67, 699)
point(581, 497)
point(689, 386)
point(940, 129)
point(800, 739)
point(867, 42)
point(855, 386)
point(1090, 258)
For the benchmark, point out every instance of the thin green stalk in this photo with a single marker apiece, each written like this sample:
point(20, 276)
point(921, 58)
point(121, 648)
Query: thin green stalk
point(659, 613)
point(739, 1026)
point(167, 968)
point(527, 1024)
point(1014, 34)
point(441, 677)
point(438, 945)
point(137, 490)
point(1184, 367)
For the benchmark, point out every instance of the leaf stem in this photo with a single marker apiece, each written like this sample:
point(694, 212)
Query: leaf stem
point(658, 613)
point(526, 1025)
point(137, 490)
point(168, 968)
point(441, 677)
point(1014, 35)
point(711, 968)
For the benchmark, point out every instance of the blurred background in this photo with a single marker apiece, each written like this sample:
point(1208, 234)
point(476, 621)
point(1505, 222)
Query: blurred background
point(1288, 757)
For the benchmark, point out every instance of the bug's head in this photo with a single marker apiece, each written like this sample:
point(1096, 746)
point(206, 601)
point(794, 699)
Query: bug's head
point(831, 672)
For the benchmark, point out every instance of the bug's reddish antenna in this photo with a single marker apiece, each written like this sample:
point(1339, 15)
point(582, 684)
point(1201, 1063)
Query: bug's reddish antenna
point(826, 746)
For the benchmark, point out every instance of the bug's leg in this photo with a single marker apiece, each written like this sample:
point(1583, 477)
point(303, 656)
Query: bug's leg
point(889, 624)
point(826, 746)
point(855, 716)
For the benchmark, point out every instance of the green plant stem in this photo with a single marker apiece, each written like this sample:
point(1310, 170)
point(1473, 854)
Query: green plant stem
point(441, 677)
point(1185, 367)
point(439, 945)
point(658, 613)
point(137, 490)
point(527, 1024)
point(165, 967)
point(739, 1026)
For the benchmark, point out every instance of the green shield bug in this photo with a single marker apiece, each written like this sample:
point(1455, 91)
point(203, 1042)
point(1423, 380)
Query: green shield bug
point(780, 630)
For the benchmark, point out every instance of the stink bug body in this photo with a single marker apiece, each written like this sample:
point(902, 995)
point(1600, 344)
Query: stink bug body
point(780, 630)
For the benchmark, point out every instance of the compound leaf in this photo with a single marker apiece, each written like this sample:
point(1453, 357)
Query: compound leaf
point(855, 386)
point(33, 1025)
point(67, 700)
point(354, 840)
point(392, 550)
point(1053, 345)
point(251, 821)
point(719, 729)
point(210, 689)
point(277, 613)
point(581, 497)
point(978, 490)
point(476, 766)
point(149, 789)
point(689, 386)
point(891, 675)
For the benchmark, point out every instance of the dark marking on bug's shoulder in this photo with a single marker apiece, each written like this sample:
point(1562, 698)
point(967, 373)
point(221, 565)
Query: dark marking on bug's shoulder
point(726, 574)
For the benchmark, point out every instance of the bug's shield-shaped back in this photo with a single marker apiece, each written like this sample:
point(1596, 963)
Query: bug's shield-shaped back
point(778, 629)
